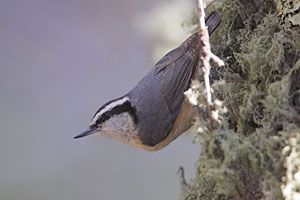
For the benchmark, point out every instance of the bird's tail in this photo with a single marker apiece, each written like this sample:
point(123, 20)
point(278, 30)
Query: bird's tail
point(213, 21)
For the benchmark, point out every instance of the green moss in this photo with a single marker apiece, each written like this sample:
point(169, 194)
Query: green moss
point(243, 159)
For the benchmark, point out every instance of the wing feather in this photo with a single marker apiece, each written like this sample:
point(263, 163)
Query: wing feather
point(159, 95)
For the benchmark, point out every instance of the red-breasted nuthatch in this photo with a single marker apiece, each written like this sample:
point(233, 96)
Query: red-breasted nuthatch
point(155, 111)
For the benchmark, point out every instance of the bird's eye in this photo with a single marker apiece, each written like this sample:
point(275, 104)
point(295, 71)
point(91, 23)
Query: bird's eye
point(105, 116)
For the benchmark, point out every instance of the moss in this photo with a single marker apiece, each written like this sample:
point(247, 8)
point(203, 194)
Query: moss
point(243, 159)
point(291, 186)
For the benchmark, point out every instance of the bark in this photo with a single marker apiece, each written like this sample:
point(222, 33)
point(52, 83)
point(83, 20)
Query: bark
point(253, 154)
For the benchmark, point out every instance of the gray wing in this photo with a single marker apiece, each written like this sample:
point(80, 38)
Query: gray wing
point(175, 70)
point(159, 95)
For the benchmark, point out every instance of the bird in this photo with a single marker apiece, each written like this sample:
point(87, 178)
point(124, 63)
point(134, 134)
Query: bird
point(155, 112)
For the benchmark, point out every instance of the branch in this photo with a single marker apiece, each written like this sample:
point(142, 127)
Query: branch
point(205, 55)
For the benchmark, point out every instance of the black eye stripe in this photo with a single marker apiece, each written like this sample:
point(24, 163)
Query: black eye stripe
point(104, 117)
point(119, 109)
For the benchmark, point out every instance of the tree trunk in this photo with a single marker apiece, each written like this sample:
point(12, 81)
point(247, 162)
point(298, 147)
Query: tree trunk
point(255, 153)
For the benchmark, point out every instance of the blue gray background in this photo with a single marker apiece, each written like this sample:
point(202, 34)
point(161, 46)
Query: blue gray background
point(59, 61)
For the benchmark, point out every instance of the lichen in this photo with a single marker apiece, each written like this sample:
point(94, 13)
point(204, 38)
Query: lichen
point(289, 10)
point(249, 156)
point(291, 180)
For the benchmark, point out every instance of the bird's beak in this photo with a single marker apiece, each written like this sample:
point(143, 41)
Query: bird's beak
point(85, 133)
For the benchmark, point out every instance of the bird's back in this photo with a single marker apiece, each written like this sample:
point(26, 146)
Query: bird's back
point(159, 96)
point(160, 92)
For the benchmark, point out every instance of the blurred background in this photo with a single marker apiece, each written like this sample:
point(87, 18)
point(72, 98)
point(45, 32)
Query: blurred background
point(60, 61)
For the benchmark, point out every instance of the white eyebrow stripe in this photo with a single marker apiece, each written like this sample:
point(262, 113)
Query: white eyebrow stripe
point(109, 107)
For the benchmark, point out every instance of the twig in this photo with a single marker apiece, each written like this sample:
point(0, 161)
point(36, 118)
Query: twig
point(183, 182)
point(205, 55)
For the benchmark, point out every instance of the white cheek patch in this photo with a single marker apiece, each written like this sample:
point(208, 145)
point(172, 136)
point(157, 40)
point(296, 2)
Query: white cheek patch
point(108, 108)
